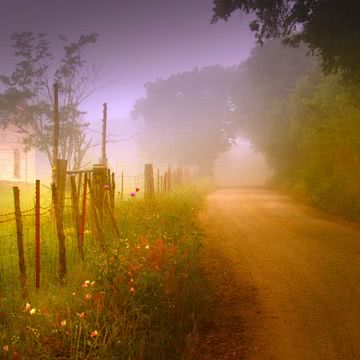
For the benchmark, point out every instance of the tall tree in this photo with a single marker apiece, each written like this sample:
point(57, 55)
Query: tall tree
point(330, 28)
point(186, 118)
point(260, 85)
point(27, 102)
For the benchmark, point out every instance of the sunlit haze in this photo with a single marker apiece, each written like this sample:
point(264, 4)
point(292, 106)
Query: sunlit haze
point(139, 41)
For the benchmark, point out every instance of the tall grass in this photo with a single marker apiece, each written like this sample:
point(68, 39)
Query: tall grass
point(138, 298)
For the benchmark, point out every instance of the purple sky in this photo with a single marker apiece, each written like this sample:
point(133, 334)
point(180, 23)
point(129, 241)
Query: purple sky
point(139, 40)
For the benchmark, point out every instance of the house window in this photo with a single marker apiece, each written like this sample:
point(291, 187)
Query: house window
point(16, 163)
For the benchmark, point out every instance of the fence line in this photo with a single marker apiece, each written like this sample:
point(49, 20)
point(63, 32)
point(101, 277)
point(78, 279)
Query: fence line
point(39, 239)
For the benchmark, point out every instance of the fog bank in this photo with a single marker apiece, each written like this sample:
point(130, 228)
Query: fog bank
point(241, 166)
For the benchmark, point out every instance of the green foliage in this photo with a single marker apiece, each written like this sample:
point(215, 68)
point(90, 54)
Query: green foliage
point(192, 117)
point(187, 117)
point(323, 143)
point(261, 84)
point(329, 28)
point(304, 122)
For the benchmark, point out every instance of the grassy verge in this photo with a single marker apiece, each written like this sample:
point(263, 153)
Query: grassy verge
point(139, 298)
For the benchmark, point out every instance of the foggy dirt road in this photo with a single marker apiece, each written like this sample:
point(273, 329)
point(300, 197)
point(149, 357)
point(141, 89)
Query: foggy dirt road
point(287, 280)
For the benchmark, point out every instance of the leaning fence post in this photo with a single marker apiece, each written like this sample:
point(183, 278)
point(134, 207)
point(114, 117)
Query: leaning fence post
point(99, 185)
point(93, 223)
point(83, 214)
point(58, 190)
point(60, 234)
point(37, 233)
point(20, 242)
point(149, 181)
point(76, 214)
point(79, 186)
point(111, 213)
point(108, 182)
point(99, 180)
point(112, 188)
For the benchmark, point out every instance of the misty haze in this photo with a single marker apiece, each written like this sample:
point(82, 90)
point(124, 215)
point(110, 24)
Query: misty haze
point(179, 179)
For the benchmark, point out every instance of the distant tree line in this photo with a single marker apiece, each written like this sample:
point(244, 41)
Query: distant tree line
point(329, 28)
point(186, 118)
point(306, 123)
point(296, 98)
point(193, 116)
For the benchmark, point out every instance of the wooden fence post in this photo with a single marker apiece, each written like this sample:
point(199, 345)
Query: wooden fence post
point(96, 228)
point(76, 215)
point(158, 180)
point(20, 243)
point(98, 195)
point(56, 130)
point(112, 191)
point(79, 184)
point(165, 182)
point(169, 179)
point(59, 198)
point(111, 213)
point(61, 173)
point(37, 233)
point(149, 181)
point(83, 214)
point(108, 179)
point(99, 185)
point(174, 180)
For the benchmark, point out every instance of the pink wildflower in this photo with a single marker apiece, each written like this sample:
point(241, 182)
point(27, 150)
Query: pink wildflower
point(81, 315)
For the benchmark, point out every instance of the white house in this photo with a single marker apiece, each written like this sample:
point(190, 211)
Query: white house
point(16, 164)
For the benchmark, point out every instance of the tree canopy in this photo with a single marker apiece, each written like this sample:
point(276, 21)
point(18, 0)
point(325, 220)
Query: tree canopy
point(260, 85)
point(330, 28)
point(186, 118)
point(193, 116)
point(305, 123)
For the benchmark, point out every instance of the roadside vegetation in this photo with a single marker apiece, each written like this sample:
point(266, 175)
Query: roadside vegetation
point(138, 298)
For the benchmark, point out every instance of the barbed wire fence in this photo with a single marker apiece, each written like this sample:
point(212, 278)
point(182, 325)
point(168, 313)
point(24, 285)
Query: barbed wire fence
point(29, 247)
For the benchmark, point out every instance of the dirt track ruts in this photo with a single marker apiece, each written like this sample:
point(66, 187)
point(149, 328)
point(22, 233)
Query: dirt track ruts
point(285, 278)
